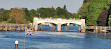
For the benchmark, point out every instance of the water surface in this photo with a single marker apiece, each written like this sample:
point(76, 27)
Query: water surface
point(55, 40)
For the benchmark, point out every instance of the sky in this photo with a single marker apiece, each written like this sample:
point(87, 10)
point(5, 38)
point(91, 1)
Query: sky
point(72, 5)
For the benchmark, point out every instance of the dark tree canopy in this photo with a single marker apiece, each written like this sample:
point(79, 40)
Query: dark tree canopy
point(102, 20)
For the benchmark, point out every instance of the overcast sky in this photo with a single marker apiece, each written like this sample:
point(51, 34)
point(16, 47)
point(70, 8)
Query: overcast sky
point(72, 5)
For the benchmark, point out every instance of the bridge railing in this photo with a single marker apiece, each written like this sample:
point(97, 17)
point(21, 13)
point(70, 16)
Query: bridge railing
point(90, 27)
point(15, 25)
point(98, 27)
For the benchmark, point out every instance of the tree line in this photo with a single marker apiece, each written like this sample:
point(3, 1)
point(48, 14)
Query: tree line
point(96, 12)
point(23, 15)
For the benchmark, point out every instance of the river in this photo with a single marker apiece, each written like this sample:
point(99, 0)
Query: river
point(55, 40)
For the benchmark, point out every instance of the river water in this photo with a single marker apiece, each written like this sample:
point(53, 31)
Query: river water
point(55, 40)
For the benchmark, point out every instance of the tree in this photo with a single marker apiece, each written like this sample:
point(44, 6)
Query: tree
point(6, 15)
point(27, 14)
point(64, 7)
point(109, 22)
point(86, 1)
point(94, 10)
point(62, 11)
point(32, 13)
point(1, 16)
point(82, 11)
point(109, 1)
point(61, 16)
point(18, 15)
point(46, 12)
point(102, 20)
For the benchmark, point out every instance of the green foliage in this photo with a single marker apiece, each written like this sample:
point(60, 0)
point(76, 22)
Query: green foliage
point(62, 11)
point(109, 1)
point(1, 16)
point(61, 16)
point(6, 15)
point(27, 14)
point(17, 15)
point(12, 20)
point(109, 22)
point(64, 7)
point(55, 13)
point(30, 14)
point(82, 11)
point(6, 22)
point(33, 13)
point(46, 12)
point(91, 10)
point(94, 10)
point(85, 1)
point(28, 22)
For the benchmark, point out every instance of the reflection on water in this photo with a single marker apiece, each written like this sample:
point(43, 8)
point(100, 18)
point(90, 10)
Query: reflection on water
point(56, 40)
point(71, 28)
point(99, 35)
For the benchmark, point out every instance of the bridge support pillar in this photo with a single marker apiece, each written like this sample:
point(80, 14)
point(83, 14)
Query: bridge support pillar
point(101, 29)
point(105, 30)
point(54, 28)
point(36, 26)
point(59, 27)
point(65, 27)
point(68, 26)
point(5, 28)
point(96, 29)
point(83, 27)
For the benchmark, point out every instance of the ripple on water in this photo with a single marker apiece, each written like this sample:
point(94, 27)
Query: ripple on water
point(54, 40)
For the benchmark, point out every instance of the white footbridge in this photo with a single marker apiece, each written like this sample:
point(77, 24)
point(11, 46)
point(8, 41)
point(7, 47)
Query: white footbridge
point(59, 22)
